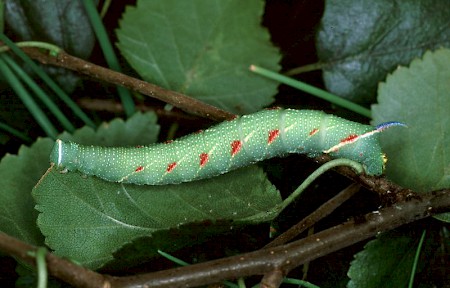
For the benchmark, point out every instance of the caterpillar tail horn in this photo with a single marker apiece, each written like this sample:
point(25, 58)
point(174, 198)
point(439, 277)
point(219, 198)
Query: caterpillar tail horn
point(383, 126)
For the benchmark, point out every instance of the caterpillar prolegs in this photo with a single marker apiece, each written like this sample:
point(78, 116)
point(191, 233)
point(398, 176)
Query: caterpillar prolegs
point(228, 146)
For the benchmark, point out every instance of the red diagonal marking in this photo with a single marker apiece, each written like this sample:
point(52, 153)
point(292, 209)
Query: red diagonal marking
point(139, 169)
point(236, 146)
point(204, 157)
point(349, 138)
point(171, 166)
point(314, 131)
point(273, 134)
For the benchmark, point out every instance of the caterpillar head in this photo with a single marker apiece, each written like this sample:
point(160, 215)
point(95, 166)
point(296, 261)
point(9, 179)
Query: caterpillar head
point(63, 154)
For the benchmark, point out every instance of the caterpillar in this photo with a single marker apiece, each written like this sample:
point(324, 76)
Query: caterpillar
point(228, 146)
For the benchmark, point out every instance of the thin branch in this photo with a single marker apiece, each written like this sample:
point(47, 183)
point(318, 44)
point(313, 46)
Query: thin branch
point(60, 268)
point(272, 279)
point(179, 100)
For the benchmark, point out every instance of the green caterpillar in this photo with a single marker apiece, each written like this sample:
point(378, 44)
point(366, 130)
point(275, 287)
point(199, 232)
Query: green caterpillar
point(228, 146)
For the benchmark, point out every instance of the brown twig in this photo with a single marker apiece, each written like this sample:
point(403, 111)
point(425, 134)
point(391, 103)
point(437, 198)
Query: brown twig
point(60, 268)
point(179, 100)
point(272, 279)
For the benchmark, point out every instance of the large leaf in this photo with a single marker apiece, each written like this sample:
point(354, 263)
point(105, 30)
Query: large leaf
point(61, 22)
point(362, 41)
point(420, 97)
point(202, 48)
point(88, 219)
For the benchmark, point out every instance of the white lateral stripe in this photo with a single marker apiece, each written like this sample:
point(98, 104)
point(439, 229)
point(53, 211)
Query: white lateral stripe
point(248, 136)
point(288, 128)
point(59, 151)
point(341, 144)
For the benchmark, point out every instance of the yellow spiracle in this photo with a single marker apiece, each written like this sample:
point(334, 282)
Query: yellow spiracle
point(385, 160)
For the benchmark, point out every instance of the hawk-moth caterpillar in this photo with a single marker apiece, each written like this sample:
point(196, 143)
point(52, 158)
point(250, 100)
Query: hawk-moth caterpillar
point(228, 146)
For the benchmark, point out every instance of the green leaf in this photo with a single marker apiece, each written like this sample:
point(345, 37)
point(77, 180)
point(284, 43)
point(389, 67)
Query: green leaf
point(384, 262)
point(88, 219)
point(362, 41)
point(61, 22)
point(18, 174)
point(419, 96)
point(202, 48)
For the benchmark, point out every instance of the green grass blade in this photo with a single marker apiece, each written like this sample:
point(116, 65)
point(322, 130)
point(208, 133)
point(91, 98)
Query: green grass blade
point(416, 259)
point(303, 283)
point(357, 167)
point(47, 80)
point(313, 90)
point(15, 132)
point(27, 100)
point(105, 7)
point(173, 258)
point(108, 51)
point(40, 94)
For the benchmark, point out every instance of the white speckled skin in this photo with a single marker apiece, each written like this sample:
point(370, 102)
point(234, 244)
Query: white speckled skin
point(227, 146)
